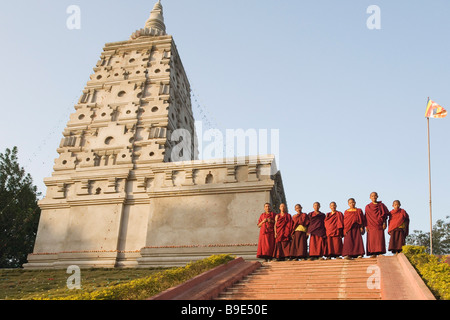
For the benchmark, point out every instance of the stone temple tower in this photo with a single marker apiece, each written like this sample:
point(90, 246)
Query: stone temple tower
point(127, 189)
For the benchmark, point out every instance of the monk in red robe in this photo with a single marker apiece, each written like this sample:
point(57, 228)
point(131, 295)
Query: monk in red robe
point(266, 242)
point(334, 226)
point(299, 244)
point(398, 227)
point(376, 215)
point(354, 224)
point(317, 232)
point(283, 231)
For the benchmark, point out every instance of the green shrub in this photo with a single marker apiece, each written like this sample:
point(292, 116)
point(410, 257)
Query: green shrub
point(434, 272)
point(145, 288)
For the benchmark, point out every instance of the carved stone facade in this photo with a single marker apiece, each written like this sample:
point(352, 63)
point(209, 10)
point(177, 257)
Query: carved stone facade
point(116, 197)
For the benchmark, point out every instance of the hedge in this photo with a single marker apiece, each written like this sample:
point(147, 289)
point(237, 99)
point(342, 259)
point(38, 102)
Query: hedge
point(144, 288)
point(434, 272)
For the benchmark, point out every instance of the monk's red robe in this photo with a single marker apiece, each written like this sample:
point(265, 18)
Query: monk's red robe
point(283, 240)
point(376, 215)
point(334, 226)
point(317, 241)
point(266, 242)
point(299, 244)
point(398, 229)
point(353, 241)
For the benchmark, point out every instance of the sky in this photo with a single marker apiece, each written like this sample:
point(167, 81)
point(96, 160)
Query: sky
point(347, 100)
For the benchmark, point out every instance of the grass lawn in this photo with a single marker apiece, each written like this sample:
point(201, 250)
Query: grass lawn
point(18, 284)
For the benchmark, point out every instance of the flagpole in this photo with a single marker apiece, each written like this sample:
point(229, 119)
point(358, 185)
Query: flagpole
point(429, 184)
point(434, 111)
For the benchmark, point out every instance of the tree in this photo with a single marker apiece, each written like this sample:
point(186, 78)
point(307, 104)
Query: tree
point(441, 238)
point(19, 212)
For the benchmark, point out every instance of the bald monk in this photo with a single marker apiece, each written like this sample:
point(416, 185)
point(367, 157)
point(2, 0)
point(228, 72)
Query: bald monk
point(354, 224)
point(398, 228)
point(317, 232)
point(376, 215)
point(266, 242)
point(283, 231)
point(299, 244)
point(334, 226)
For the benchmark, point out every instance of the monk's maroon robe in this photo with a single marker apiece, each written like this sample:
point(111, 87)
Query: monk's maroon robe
point(376, 215)
point(353, 241)
point(398, 229)
point(299, 244)
point(334, 226)
point(283, 240)
point(266, 242)
point(317, 241)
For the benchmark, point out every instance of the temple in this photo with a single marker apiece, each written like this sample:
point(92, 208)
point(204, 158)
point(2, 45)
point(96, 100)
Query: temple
point(128, 189)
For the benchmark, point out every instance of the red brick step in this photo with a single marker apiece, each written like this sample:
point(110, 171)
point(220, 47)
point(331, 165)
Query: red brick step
point(307, 280)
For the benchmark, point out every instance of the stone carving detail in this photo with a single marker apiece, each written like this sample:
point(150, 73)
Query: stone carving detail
point(66, 161)
point(168, 179)
point(60, 192)
point(252, 172)
point(189, 178)
point(112, 184)
point(231, 174)
point(84, 187)
point(150, 153)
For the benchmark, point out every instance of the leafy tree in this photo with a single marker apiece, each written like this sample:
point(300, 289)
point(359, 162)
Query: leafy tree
point(19, 212)
point(441, 238)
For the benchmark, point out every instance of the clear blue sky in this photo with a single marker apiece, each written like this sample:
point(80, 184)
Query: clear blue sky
point(349, 102)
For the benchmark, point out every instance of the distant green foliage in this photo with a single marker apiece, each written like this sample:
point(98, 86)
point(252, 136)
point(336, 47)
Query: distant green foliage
point(145, 288)
point(441, 237)
point(434, 272)
point(19, 212)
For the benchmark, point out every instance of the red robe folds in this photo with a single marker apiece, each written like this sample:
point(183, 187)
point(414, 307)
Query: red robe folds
point(266, 242)
point(398, 229)
point(334, 226)
point(317, 242)
point(283, 240)
point(376, 215)
point(353, 241)
point(299, 244)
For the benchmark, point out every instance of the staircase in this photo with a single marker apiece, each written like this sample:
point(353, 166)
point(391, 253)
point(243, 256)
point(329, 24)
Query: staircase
point(309, 280)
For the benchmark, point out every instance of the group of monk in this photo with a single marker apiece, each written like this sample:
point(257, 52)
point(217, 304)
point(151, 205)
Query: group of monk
point(331, 235)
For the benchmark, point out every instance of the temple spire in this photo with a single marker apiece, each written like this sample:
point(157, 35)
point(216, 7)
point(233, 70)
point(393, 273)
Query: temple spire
point(155, 24)
point(156, 19)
